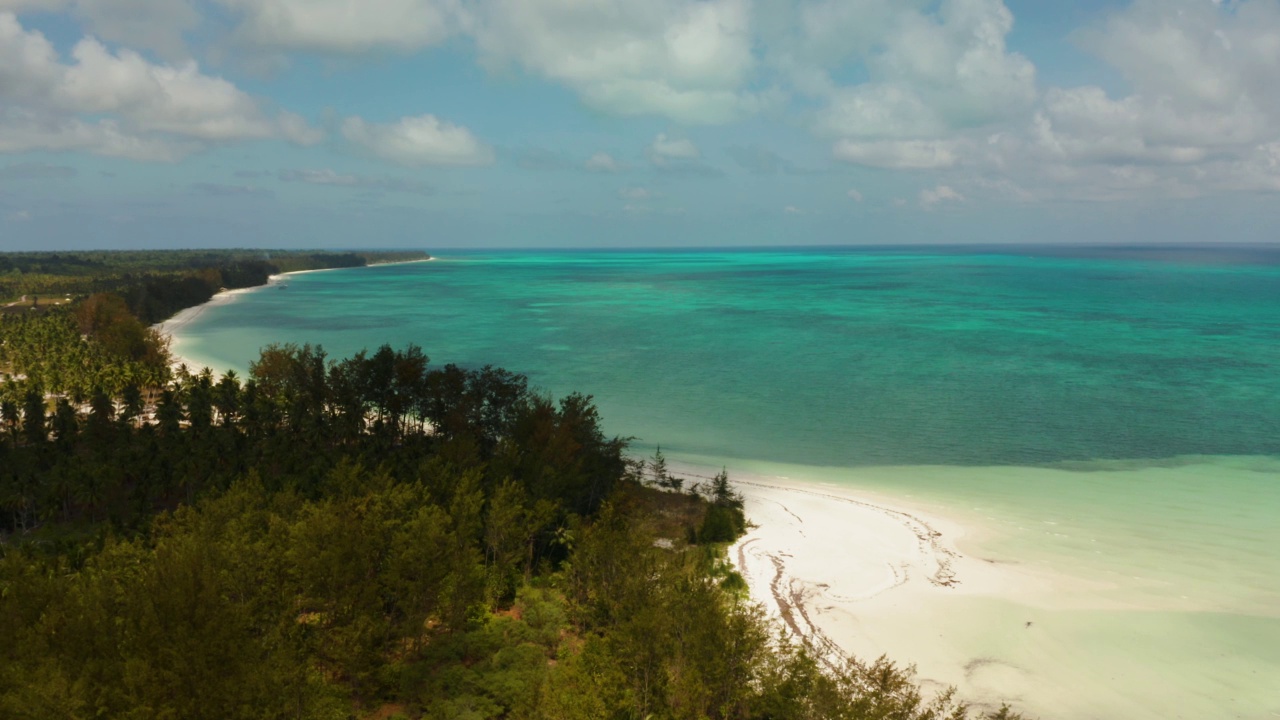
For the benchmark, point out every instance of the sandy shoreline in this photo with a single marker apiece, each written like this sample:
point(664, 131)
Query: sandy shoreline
point(860, 574)
point(857, 576)
point(870, 573)
point(173, 327)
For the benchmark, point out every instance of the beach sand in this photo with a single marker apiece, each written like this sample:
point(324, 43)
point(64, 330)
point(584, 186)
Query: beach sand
point(857, 576)
point(172, 328)
point(861, 573)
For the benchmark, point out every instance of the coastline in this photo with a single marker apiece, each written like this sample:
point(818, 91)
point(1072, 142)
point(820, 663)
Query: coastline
point(1012, 627)
point(172, 327)
point(856, 575)
point(849, 571)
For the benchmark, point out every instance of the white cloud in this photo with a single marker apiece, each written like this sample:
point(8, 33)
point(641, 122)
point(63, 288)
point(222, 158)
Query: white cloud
point(295, 129)
point(602, 162)
point(28, 62)
point(1201, 113)
point(118, 103)
point(830, 31)
point(178, 100)
point(418, 141)
point(331, 178)
point(223, 190)
point(24, 132)
point(156, 25)
point(635, 193)
point(18, 216)
point(855, 195)
point(1195, 54)
point(900, 154)
point(931, 74)
point(1163, 138)
point(319, 177)
point(935, 78)
point(344, 26)
point(665, 147)
point(688, 60)
point(942, 193)
point(678, 157)
point(792, 210)
point(880, 111)
point(675, 154)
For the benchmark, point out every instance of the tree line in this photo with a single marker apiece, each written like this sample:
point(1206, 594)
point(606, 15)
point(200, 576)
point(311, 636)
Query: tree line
point(295, 413)
point(158, 284)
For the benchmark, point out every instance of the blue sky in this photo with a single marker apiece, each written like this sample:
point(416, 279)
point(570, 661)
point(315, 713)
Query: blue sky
point(547, 123)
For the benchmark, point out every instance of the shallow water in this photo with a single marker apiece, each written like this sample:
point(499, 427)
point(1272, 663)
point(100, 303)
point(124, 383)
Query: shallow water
point(1111, 415)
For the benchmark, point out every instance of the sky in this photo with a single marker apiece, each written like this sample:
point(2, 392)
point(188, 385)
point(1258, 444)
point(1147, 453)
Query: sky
point(626, 123)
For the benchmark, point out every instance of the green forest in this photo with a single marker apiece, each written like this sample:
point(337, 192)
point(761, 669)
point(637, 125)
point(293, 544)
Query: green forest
point(97, 334)
point(366, 537)
point(157, 284)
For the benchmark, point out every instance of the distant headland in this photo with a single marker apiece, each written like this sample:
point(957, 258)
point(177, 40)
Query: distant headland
point(157, 284)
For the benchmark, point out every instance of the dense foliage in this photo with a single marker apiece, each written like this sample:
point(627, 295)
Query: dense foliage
point(97, 346)
point(347, 536)
point(297, 416)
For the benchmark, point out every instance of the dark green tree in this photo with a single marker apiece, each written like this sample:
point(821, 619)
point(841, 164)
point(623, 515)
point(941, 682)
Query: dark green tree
point(33, 418)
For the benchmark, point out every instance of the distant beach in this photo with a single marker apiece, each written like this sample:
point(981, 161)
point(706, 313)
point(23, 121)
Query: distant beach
point(172, 328)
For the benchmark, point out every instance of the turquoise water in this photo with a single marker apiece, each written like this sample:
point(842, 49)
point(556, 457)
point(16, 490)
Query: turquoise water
point(827, 357)
point(1110, 415)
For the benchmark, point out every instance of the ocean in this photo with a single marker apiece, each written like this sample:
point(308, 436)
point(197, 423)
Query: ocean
point(1105, 414)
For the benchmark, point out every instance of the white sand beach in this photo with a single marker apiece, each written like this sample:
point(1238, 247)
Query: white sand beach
point(859, 573)
point(172, 328)
point(856, 576)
